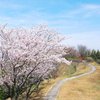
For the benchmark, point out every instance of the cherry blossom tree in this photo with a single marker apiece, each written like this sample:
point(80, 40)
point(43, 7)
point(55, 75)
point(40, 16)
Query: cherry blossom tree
point(27, 56)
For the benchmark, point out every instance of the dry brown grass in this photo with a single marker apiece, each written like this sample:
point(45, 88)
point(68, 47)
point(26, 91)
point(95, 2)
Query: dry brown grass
point(77, 89)
point(84, 88)
point(46, 86)
point(62, 70)
point(82, 69)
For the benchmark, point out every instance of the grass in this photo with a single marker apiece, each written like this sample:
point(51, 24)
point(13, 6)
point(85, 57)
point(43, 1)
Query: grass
point(84, 88)
point(62, 73)
point(65, 70)
point(71, 70)
point(45, 88)
point(72, 58)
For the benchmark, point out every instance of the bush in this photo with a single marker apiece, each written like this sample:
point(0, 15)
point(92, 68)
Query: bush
point(89, 59)
point(3, 96)
point(98, 61)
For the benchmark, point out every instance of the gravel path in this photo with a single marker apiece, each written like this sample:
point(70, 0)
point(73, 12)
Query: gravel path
point(52, 94)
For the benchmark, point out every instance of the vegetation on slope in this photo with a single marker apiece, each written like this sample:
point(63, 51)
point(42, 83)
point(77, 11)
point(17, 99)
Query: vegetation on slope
point(84, 88)
point(62, 73)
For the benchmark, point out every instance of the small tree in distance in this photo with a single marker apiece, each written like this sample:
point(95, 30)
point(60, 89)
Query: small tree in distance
point(71, 52)
point(83, 51)
point(27, 56)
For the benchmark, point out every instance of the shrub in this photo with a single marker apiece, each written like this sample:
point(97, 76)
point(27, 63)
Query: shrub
point(89, 59)
point(98, 61)
point(3, 96)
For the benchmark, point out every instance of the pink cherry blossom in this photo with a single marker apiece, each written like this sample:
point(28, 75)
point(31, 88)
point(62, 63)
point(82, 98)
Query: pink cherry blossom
point(27, 56)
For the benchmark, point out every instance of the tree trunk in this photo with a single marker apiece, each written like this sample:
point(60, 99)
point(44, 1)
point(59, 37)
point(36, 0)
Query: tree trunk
point(15, 97)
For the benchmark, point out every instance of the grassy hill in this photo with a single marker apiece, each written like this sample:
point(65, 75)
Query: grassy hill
point(63, 72)
point(84, 88)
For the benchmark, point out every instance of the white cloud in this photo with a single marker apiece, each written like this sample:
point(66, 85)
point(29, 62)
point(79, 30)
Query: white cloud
point(7, 4)
point(83, 11)
point(90, 39)
point(91, 7)
point(11, 21)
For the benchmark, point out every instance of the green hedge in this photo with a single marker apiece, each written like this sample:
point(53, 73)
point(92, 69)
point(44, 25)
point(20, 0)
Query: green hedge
point(72, 58)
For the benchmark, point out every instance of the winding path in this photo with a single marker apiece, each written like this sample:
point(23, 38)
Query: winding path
point(52, 94)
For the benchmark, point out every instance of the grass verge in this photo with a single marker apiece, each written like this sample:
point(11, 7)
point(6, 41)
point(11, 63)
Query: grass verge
point(65, 71)
point(84, 88)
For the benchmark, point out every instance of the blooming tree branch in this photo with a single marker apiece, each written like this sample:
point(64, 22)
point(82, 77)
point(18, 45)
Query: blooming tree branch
point(27, 56)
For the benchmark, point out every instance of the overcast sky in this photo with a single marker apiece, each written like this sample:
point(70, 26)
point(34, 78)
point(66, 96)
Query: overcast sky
point(78, 19)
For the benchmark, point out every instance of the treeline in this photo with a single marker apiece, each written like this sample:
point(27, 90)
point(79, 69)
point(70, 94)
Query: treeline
point(83, 52)
point(95, 54)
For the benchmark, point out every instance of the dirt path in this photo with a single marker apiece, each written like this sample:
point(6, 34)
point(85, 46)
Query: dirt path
point(52, 94)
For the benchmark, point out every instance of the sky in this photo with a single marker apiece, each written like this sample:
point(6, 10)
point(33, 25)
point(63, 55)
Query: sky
point(78, 19)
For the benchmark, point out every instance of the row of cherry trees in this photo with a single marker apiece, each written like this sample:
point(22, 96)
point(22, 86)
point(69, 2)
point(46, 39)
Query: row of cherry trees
point(27, 56)
point(84, 52)
point(80, 50)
